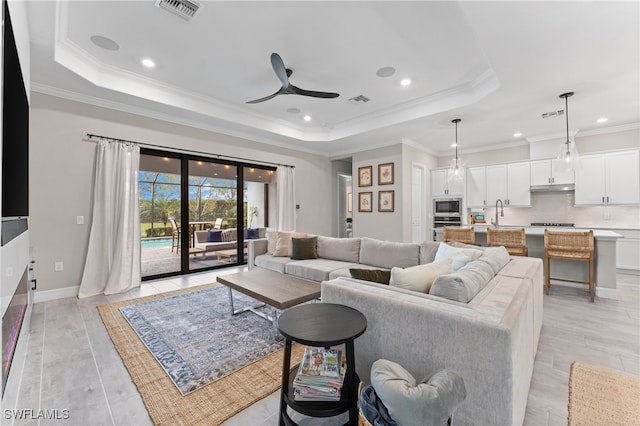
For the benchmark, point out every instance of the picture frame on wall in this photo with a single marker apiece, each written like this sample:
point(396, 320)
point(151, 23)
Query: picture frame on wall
point(365, 202)
point(365, 176)
point(386, 201)
point(385, 174)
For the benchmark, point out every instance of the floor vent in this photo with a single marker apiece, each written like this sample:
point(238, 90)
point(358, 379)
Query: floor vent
point(360, 99)
point(553, 113)
point(182, 8)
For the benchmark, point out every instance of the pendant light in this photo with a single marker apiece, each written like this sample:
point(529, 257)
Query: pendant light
point(568, 156)
point(456, 170)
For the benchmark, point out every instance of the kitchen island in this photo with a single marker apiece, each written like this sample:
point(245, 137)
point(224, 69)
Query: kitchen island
point(604, 256)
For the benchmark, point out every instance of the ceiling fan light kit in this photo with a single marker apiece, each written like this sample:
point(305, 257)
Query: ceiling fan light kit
point(287, 88)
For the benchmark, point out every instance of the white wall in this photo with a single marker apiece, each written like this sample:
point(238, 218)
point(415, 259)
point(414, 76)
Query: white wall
point(380, 225)
point(62, 168)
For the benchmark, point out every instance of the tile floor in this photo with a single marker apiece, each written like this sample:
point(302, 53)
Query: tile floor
point(71, 363)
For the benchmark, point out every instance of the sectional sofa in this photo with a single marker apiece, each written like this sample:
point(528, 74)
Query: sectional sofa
point(485, 325)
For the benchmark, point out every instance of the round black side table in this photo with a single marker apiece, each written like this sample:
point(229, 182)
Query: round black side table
point(320, 325)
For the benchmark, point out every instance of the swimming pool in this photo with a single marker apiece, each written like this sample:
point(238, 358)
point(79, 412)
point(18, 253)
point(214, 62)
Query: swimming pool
point(155, 242)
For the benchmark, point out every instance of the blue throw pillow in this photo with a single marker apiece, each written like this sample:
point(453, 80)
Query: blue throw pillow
point(251, 234)
point(214, 236)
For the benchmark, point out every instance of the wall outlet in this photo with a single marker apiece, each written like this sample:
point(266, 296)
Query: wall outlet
point(58, 266)
point(80, 220)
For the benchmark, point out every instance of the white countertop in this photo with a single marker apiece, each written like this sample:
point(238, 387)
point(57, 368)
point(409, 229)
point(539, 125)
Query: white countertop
point(539, 230)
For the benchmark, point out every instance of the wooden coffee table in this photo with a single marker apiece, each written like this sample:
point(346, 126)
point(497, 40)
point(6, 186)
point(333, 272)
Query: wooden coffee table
point(280, 291)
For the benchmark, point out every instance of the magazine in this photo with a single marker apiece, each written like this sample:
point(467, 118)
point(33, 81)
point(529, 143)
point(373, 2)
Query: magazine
point(320, 375)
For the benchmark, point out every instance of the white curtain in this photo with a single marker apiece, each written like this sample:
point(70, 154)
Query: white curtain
point(113, 257)
point(285, 181)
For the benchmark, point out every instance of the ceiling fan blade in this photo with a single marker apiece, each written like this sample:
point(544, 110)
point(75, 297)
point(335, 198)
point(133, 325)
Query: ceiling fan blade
point(280, 69)
point(266, 98)
point(299, 91)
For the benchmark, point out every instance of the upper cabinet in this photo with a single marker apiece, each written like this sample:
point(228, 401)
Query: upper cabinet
point(442, 186)
point(476, 187)
point(610, 178)
point(510, 183)
point(548, 172)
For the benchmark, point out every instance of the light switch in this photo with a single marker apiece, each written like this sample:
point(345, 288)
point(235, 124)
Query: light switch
point(80, 220)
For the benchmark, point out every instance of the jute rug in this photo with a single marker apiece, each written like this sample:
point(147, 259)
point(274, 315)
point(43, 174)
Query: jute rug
point(209, 405)
point(600, 397)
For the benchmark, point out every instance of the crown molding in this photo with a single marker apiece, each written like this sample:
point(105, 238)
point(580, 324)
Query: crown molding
point(611, 129)
point(118, 106)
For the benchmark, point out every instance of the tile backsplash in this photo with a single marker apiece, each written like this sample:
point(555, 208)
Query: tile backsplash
point(559, 207)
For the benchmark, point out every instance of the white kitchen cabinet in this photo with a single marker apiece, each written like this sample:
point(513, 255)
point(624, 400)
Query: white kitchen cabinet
point(550, 172)
point(476, 187)
point(510, 183)
point(628, 249)
point(611, 178)
point(519, 184)
point(442, 186)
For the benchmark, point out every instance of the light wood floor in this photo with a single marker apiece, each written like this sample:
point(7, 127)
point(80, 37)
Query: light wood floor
point(71, 363)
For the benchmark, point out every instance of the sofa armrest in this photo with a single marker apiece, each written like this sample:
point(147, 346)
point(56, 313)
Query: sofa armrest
point(255, 248)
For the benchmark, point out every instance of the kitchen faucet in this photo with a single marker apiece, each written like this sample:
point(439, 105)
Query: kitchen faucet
point(501, 212)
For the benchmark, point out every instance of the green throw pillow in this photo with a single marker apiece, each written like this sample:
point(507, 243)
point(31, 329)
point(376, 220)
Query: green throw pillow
point(304, 248)
point(375, 275)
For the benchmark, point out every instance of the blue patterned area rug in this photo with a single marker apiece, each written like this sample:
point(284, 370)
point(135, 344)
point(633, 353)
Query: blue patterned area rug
point(195, 338)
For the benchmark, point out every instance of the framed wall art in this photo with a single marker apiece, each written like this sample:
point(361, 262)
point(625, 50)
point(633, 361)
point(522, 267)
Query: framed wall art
point(365, 201)
point(385, 174)
point(386, 201)
point(365, 176)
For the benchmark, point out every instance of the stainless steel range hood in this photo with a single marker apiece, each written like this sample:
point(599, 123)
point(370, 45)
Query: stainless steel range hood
point(553, 188)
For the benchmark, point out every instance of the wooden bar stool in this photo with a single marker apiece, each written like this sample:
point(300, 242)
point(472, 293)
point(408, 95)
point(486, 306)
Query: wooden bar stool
point(569, 246)
point(514, 240)
point(460, 234)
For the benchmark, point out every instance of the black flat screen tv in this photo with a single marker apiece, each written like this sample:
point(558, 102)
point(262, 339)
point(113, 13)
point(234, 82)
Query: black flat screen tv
point(15, 129)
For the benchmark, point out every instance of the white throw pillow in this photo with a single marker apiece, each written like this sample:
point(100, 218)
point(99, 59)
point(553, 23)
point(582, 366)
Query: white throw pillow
point(419, 278)
point(283, 243)
point(445, 251)
point(272, 237)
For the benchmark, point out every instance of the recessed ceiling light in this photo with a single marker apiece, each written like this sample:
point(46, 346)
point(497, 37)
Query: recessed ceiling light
point(517, 135)
point(602, 120)
point(104, 42)
point(386, 72)
point(453, 145)
point(405, 82)
point(148, 63)
point(307, 118)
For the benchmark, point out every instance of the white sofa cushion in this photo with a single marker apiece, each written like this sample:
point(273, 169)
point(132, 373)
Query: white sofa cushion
point(272, 263)
point(344, 249)
point(314, 269)
point(464, 284)
point(387, 254)
point(459, 256)
point(428, 250)
point(420, 277)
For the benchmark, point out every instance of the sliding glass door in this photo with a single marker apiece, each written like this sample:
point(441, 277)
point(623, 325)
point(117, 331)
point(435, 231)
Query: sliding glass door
point(193, 215)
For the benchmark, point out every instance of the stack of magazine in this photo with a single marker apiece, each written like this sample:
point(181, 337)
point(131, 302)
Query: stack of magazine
point(320, 375)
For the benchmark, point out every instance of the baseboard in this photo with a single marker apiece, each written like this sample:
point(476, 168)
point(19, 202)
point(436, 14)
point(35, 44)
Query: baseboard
point(627, 271)
point(60, 293)
point(605, 293)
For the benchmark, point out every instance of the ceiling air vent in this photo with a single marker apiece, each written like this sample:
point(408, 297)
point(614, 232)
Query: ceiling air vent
point(183, 8)
point(553, 113)
point(360, 99)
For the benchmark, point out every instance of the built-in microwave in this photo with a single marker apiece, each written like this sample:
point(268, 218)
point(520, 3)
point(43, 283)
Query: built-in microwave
point(447, 207)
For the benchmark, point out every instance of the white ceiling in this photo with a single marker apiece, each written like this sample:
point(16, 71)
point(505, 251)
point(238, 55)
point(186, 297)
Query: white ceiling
point(495, 65)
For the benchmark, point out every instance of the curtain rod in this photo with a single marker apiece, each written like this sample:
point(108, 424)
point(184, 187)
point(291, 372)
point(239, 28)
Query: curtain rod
point(206, 154)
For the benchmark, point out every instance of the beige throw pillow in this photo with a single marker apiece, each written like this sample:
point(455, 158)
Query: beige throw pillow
point(419, 278)
point(272, 236)
point(283, 243)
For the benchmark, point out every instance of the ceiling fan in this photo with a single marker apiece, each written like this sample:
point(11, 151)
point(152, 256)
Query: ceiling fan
point(288, 88)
